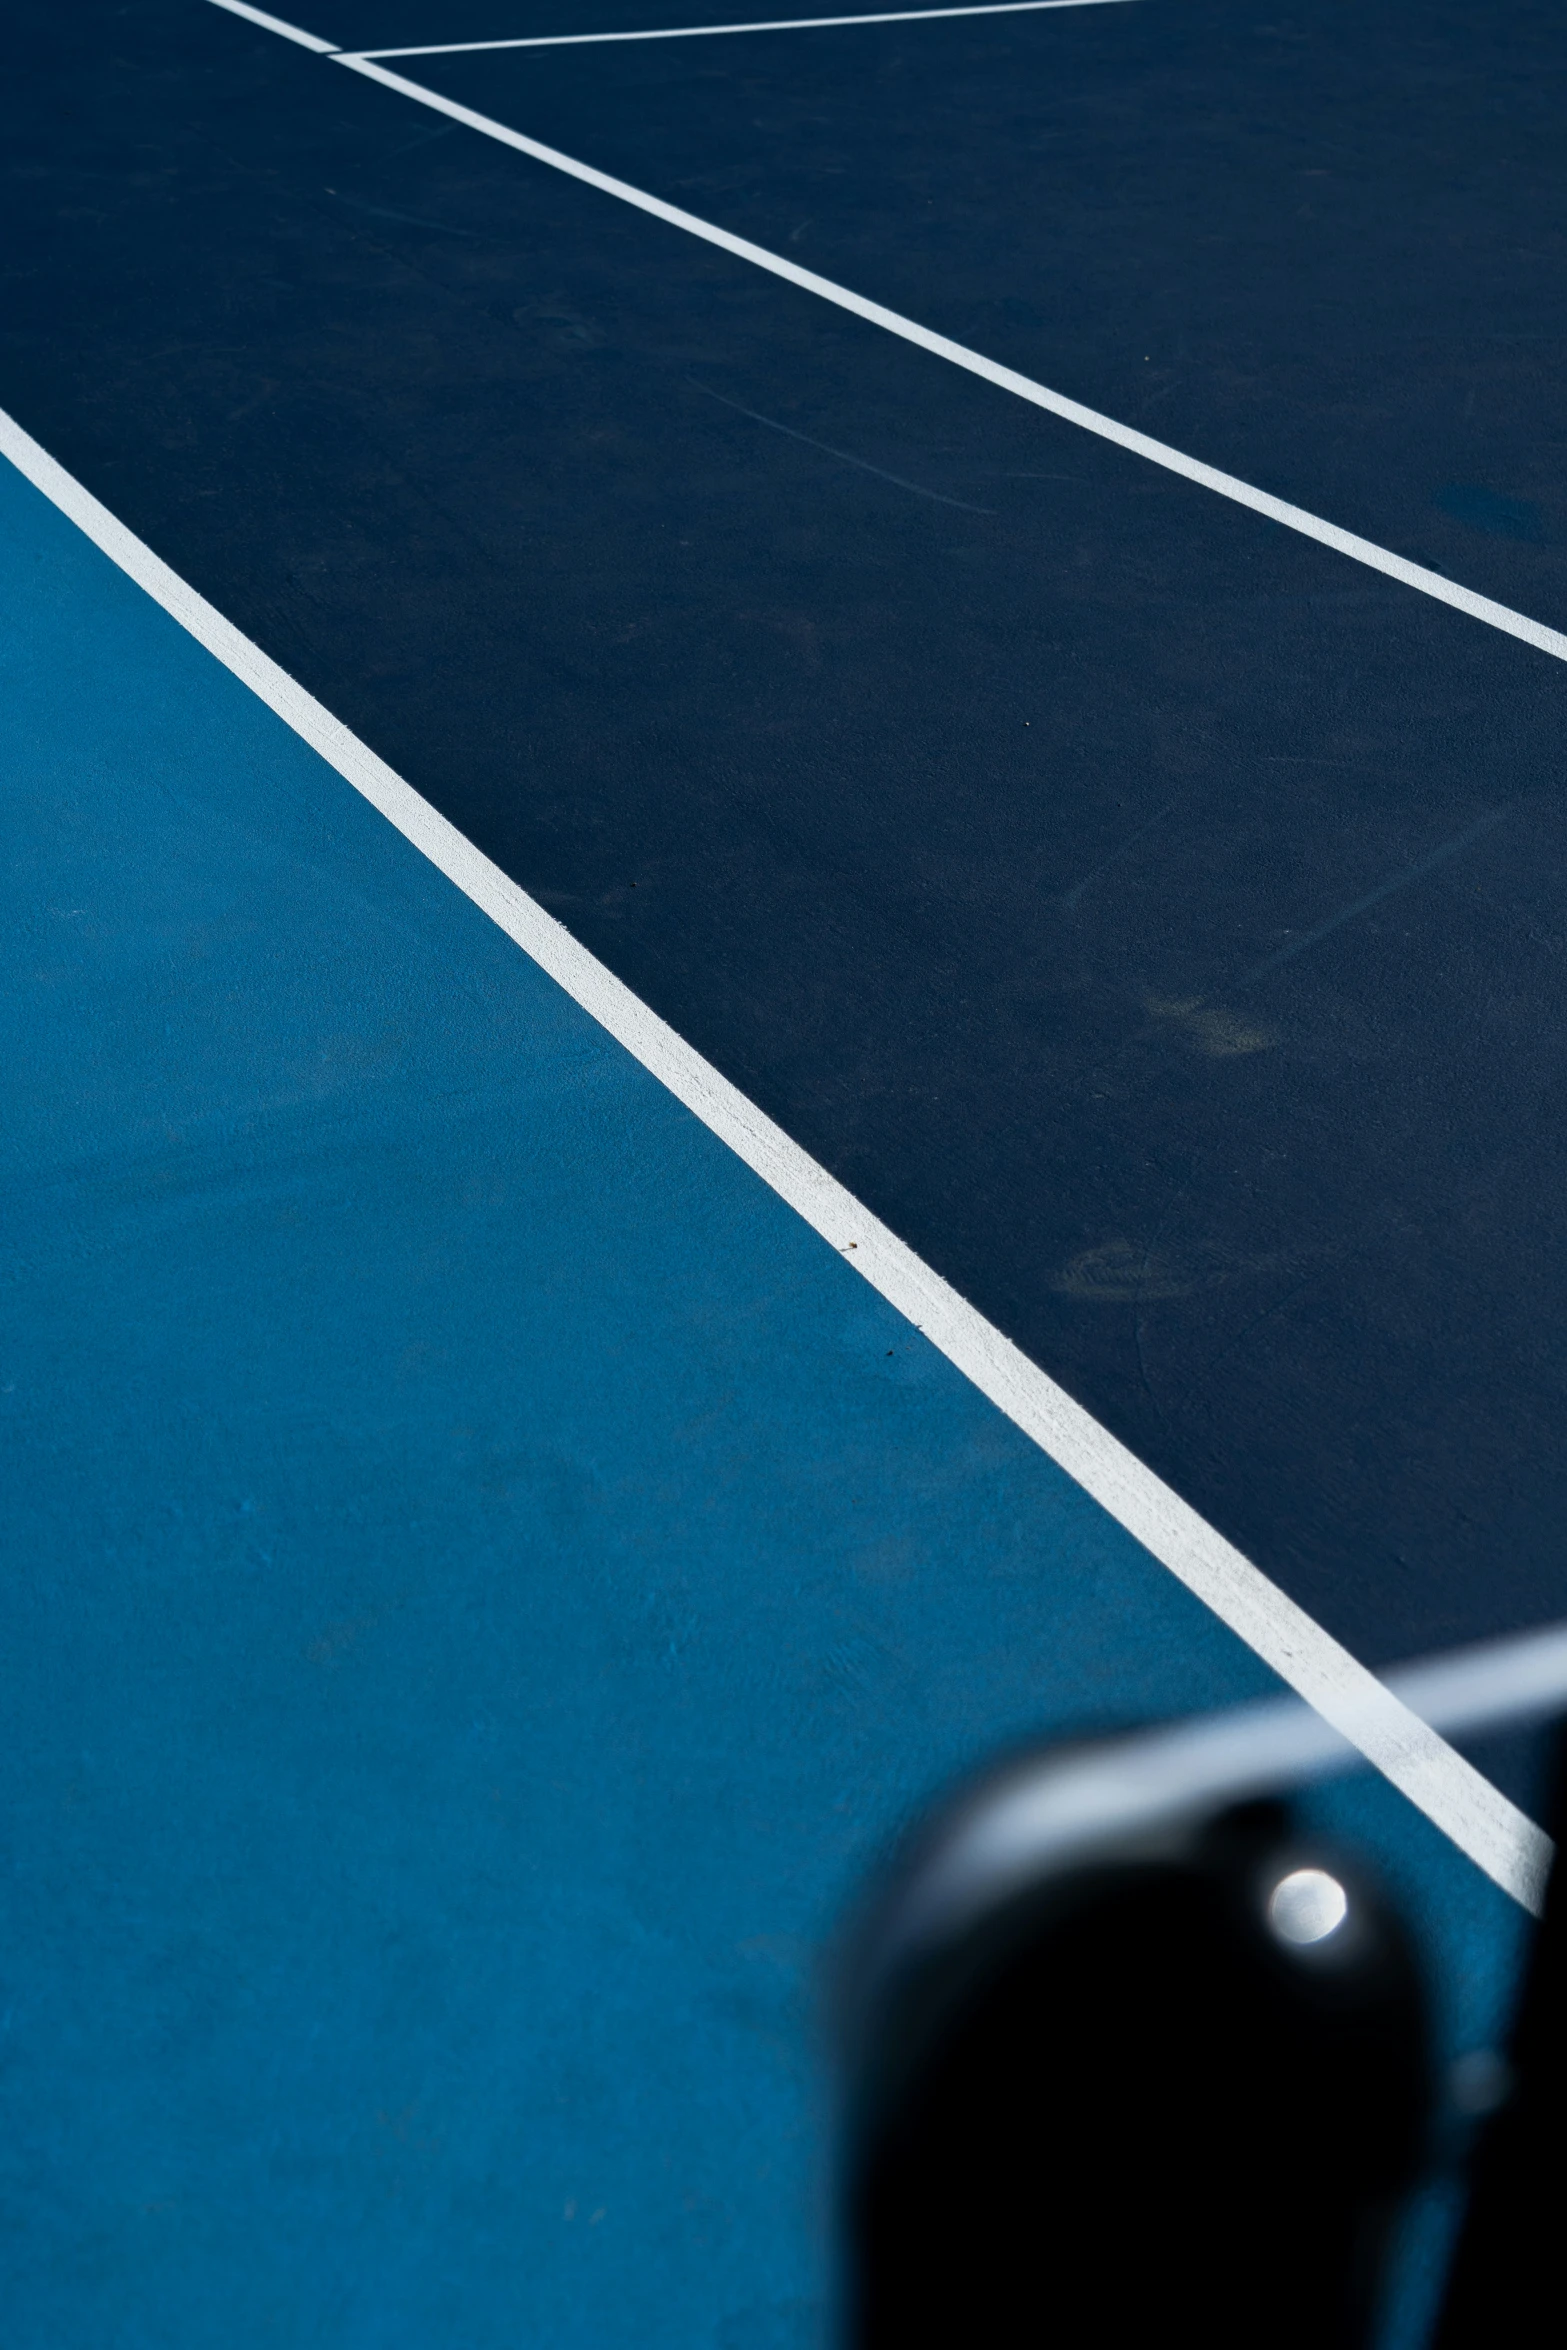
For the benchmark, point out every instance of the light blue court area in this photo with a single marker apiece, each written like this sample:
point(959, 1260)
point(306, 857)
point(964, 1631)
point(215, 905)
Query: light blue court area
point(483, 1581)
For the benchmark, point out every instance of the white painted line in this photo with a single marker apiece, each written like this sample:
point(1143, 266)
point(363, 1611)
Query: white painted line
point(275, 24)
point(1496, 1835)
point(698, 32)
point(1006, 379)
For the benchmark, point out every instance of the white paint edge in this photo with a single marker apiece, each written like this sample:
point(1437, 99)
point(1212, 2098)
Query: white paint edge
point(698, 32)
point(1493, 1832)
point(275, 24)
point(1006, 379)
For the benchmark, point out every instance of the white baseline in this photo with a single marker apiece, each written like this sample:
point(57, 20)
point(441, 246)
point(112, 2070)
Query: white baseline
point(697, 32)
point(1481, 1821)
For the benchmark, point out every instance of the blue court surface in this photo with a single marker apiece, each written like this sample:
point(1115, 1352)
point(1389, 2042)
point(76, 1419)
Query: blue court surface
point(1002, 572)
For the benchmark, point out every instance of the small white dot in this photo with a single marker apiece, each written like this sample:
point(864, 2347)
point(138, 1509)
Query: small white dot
point(1307, 1906)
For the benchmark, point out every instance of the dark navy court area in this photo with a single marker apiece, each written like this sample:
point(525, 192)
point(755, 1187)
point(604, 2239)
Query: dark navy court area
point(486, 1578)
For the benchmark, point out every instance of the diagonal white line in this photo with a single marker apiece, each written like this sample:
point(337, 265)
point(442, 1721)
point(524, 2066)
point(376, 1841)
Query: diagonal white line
point(1006, 379)
point(697, 32)
point(1496, 1835)
point(275, 24)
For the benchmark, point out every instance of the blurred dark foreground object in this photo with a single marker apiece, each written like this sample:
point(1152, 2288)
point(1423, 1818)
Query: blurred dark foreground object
point(1508, 2290)
point(1155, 2079)
point(1127, 2061)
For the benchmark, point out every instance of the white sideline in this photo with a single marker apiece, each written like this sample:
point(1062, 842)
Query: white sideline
point(697, 32)
point(1006, 379)
point(1480, 1820)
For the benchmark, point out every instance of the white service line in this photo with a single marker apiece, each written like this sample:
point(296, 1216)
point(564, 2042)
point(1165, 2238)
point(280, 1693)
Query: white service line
point(1493, 1832)
point(275, 24)
point(1006, 379)
point(697, 32)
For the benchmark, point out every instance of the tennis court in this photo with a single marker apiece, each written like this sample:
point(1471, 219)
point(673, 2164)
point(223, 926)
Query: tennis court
point(785, 908)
